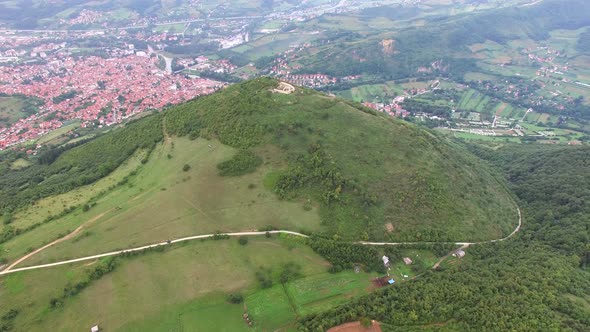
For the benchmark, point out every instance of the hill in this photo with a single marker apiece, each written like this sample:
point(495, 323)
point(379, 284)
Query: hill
point(364, 170)
point(538, 281)
point(246, 158)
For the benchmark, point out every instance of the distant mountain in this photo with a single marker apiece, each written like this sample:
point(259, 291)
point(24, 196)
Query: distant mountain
point(446, 39)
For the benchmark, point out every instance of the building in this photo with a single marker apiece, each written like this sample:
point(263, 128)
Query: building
point(459, 253)
point(94, 329)
point(407, 260)
point(385, 261)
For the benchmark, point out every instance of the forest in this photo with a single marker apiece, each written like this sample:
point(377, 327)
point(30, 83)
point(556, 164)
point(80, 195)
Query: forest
point(537, 282)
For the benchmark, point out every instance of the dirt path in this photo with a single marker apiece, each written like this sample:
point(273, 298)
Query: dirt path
point(204, 236)
point(65, 238)
point(356, 327)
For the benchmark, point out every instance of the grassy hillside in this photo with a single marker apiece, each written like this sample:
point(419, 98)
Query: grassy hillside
point(248, 158)
point(178, 289)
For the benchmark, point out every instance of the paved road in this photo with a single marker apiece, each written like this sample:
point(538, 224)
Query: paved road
point(190, 238)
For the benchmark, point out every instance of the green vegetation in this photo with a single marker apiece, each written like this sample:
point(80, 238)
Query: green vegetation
point(178, 289)
point(358, 192)
point(539, 281)
point(66, 95)
point(13, 108)
point(77, 166)
point(137, 211)
point(243, 162)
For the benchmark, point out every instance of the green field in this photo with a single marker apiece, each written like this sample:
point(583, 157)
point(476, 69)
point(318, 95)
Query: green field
point(12, 109)
point(162, 202)
point(373, 92)
point(320, 292)
point(54, 136)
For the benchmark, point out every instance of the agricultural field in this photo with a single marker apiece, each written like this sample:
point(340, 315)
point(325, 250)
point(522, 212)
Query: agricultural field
point(372, 92)
point(57, 137)
point(268, 45)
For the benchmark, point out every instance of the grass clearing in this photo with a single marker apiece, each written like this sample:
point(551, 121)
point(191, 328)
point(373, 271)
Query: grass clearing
point(55, 134)
point(20, 163)
point(320, 292)
point(54, 205)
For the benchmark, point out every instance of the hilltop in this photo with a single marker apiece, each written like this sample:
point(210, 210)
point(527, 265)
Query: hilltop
point(368, 174)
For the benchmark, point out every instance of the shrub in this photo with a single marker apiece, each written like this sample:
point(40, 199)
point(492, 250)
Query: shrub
point(7, 218)
point(186, 167)
point(243, 240)
point(235, 298)
point(366, 322)
point(243, 162)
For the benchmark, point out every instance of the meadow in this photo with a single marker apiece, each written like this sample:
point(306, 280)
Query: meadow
point(160, 202)
point(185, 288)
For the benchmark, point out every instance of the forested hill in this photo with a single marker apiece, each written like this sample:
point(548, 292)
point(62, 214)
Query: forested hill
point(447, 39)
point(371, 176)
point(537, 282)
point(365, 170)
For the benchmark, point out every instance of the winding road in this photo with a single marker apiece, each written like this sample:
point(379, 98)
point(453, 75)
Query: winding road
point(10, 269)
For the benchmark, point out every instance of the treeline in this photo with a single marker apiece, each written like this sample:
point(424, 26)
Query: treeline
point(416, 106)
point(71, 290)
point(52, 153)
point(554, 183)
point(345, 255)
point(536, 282)
point(222, 77)
point(77, 166)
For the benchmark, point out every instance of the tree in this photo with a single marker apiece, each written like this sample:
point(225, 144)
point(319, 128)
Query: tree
point(243, 240)
point(235, 298)
point(186, 167)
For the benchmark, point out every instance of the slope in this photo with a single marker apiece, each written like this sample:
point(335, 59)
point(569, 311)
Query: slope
point(366, 172)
